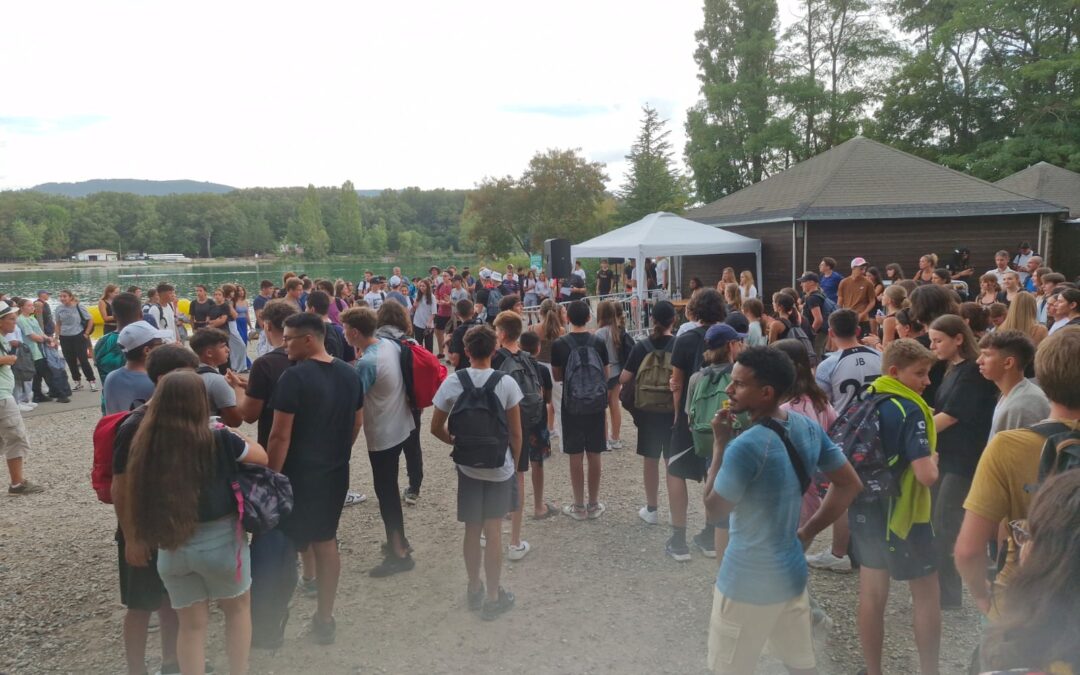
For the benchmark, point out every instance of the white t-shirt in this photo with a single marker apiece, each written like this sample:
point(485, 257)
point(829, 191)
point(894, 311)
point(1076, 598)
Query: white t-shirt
point(686, 327)
point(166, 321)
point(662, 273)
point(747, 295)
point(999, 274)
point(542, 288)
point(375, 299)
point(509, 394)
point(387, 418)
point(844, 373)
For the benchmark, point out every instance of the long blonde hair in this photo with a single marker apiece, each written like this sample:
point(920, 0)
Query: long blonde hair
point(746, 280)
point(1023, 314)
point(551, 326)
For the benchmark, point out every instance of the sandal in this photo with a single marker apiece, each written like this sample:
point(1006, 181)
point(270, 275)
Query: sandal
point(550, 510)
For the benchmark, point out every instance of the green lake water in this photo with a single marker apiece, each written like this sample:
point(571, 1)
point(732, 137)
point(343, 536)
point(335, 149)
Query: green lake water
point(88, 282)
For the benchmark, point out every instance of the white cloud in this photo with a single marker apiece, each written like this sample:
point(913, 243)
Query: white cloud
point(428, 93)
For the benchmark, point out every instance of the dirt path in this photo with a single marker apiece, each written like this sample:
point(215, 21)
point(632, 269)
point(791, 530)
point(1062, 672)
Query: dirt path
point(593, 597)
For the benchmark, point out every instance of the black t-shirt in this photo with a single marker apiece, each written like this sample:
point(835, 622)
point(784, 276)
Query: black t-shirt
point(333, 342)
point(265, 373)
point(810, 301)
point(628, 272)
point(457, 341)
point(605, 279)
point(969, 397)
point(200, 312)
point(937, 373)
point(687, 357)
point(218, 311)
point(216, 500)
point(561, 348)
point(577, 287)
point(324, 398)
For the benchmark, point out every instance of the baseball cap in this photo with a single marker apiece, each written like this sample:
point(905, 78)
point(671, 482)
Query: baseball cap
point(6, 309)
point(739, 322)
point(719, 334)
point(42, 290)
point(395, 281)
point(1025, 245)
point(813, 276)
point(858, 262)
point(137, 334)
point(495, 276)
point(485, 273)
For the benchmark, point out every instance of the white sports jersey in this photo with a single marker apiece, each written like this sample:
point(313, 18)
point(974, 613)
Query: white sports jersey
point(844, 374)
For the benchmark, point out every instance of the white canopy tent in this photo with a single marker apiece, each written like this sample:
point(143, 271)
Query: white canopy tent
point(664, 234)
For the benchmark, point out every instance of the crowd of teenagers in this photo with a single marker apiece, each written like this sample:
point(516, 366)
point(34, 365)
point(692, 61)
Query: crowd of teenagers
point(933, 439)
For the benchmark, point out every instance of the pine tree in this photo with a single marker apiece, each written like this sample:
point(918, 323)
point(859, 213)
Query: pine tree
point(652, 183)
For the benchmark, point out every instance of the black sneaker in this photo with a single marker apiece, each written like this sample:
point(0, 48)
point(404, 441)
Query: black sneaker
point(323, 633)
point(680, 552)
point(476, 600)
point(391, 565)
point(492, 610)
point(387, 550)
point(705, 543)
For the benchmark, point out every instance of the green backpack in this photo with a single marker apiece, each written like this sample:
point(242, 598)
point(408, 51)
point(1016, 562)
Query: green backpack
point(708, 396)
point(652, 392)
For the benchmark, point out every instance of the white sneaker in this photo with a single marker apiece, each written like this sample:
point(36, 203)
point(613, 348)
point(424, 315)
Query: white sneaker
point(650, 517)
point(27, 407)
point(77, 386)
point(827, 561)
point(518, 552)
point(93, 385)
point(614, 444)
point(554, 433)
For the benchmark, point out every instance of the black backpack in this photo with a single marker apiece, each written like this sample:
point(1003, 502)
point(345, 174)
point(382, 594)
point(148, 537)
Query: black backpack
point(520, 367)
point(584, 381)
point(858, 433)
point(796, 332)
point(478, 424)
point(1061, 451)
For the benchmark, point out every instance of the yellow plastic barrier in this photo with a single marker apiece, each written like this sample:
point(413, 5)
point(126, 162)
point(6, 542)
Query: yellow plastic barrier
point(183, 305)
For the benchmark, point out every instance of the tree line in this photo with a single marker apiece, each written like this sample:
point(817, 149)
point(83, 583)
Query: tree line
point(987, 87)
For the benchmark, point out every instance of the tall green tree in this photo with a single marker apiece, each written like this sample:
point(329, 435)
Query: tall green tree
point(492, 222)
point(347, 234)
point(307, 230)
point(733, 135)
point(652, 182)
point(562, 193)
point(27, 241)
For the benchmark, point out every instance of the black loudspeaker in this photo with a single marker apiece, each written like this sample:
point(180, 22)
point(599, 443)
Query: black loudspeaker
point(557, 252)
point(616, 261)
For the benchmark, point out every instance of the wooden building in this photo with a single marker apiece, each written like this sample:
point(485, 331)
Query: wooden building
point(1058, 186)
point(863, 198)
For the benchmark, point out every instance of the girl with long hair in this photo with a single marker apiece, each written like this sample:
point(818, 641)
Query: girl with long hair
point(180, 501)
point(238, 360)
point(611, 329)
point(989, 290)
point(754, 310)
point(695, 285)
point(747, 289)
point(894, 273)
point(1039, 628)
point(423, 315)
point(733, 298)
point(925, 275)
point(892, 301)
point(551, 328)
point(528, 287)
point(787, 315)
point(243, 321)
point(977, 318)
point(1023, 316)
point(963, 414)
point(104, 305)
point(654, 428)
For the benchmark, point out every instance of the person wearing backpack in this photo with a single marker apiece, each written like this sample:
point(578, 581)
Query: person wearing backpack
point(579, 360)
point(790, 324)
point(517, 364)
point(758, 479)
point(683, 463)
point(890, 529)
point(1009, 470)
point(648, 371)
point(537, 442)
point(485, 404)
point(817, 308)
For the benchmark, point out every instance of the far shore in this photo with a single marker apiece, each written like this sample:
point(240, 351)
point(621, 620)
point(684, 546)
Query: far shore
point(202, 262)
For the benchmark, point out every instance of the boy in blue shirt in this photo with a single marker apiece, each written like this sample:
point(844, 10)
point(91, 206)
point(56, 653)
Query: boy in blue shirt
point(760, 593)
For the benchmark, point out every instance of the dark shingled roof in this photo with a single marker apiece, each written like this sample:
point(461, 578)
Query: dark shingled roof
point(861, 180)
point(1047, 182)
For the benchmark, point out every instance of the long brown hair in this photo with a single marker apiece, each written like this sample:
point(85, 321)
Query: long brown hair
point(551, 326)
point(172, 454)
point(733, 297)
point(952, 325)
point(607, 315)
point(1039, 624)
point(756, 308)
point(805, 384)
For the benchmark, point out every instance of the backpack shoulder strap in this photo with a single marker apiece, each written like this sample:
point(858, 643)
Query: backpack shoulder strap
point(1049, 428)
point(793, 455)
point(466, 381)
point(204, 369)
point(492, 381)
point(649, 346)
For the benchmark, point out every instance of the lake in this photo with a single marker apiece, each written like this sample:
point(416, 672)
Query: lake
point(88, 282)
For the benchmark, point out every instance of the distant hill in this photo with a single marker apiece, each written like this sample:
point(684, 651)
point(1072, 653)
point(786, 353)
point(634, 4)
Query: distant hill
point(146, 188)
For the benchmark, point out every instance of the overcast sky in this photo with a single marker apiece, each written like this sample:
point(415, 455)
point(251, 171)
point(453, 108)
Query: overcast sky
point(424, 93)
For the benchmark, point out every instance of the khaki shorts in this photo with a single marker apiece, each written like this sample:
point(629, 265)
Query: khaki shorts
point(13, 439)
point(738, 631)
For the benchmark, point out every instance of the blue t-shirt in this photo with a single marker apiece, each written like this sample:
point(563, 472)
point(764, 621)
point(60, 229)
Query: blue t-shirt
point(125, 390)
point(764, 563)
point(831, 283)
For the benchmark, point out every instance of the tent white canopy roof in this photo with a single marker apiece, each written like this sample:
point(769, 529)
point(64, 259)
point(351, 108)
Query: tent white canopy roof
point(660, 234)
point(665, 234)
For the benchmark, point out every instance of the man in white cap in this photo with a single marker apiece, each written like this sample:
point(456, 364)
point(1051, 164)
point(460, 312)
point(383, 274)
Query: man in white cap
point(396, 294)
point(857, 294)
point(129, 387)
point(14, 442)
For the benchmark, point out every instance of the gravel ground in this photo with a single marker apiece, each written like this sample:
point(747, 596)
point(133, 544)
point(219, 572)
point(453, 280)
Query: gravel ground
point(593, 597)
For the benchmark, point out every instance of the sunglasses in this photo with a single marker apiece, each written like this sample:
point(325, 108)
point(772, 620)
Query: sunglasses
point(1020, 533)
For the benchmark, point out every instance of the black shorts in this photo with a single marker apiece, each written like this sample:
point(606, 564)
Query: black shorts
point(140, 587)
point(583, 433)
point(441, 322)
point(682, 461)
point(653, 433)
point(480, 500)
point(317, 504)
point(875, 547)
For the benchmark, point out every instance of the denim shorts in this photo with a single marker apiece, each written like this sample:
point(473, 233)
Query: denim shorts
point(213, 565)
